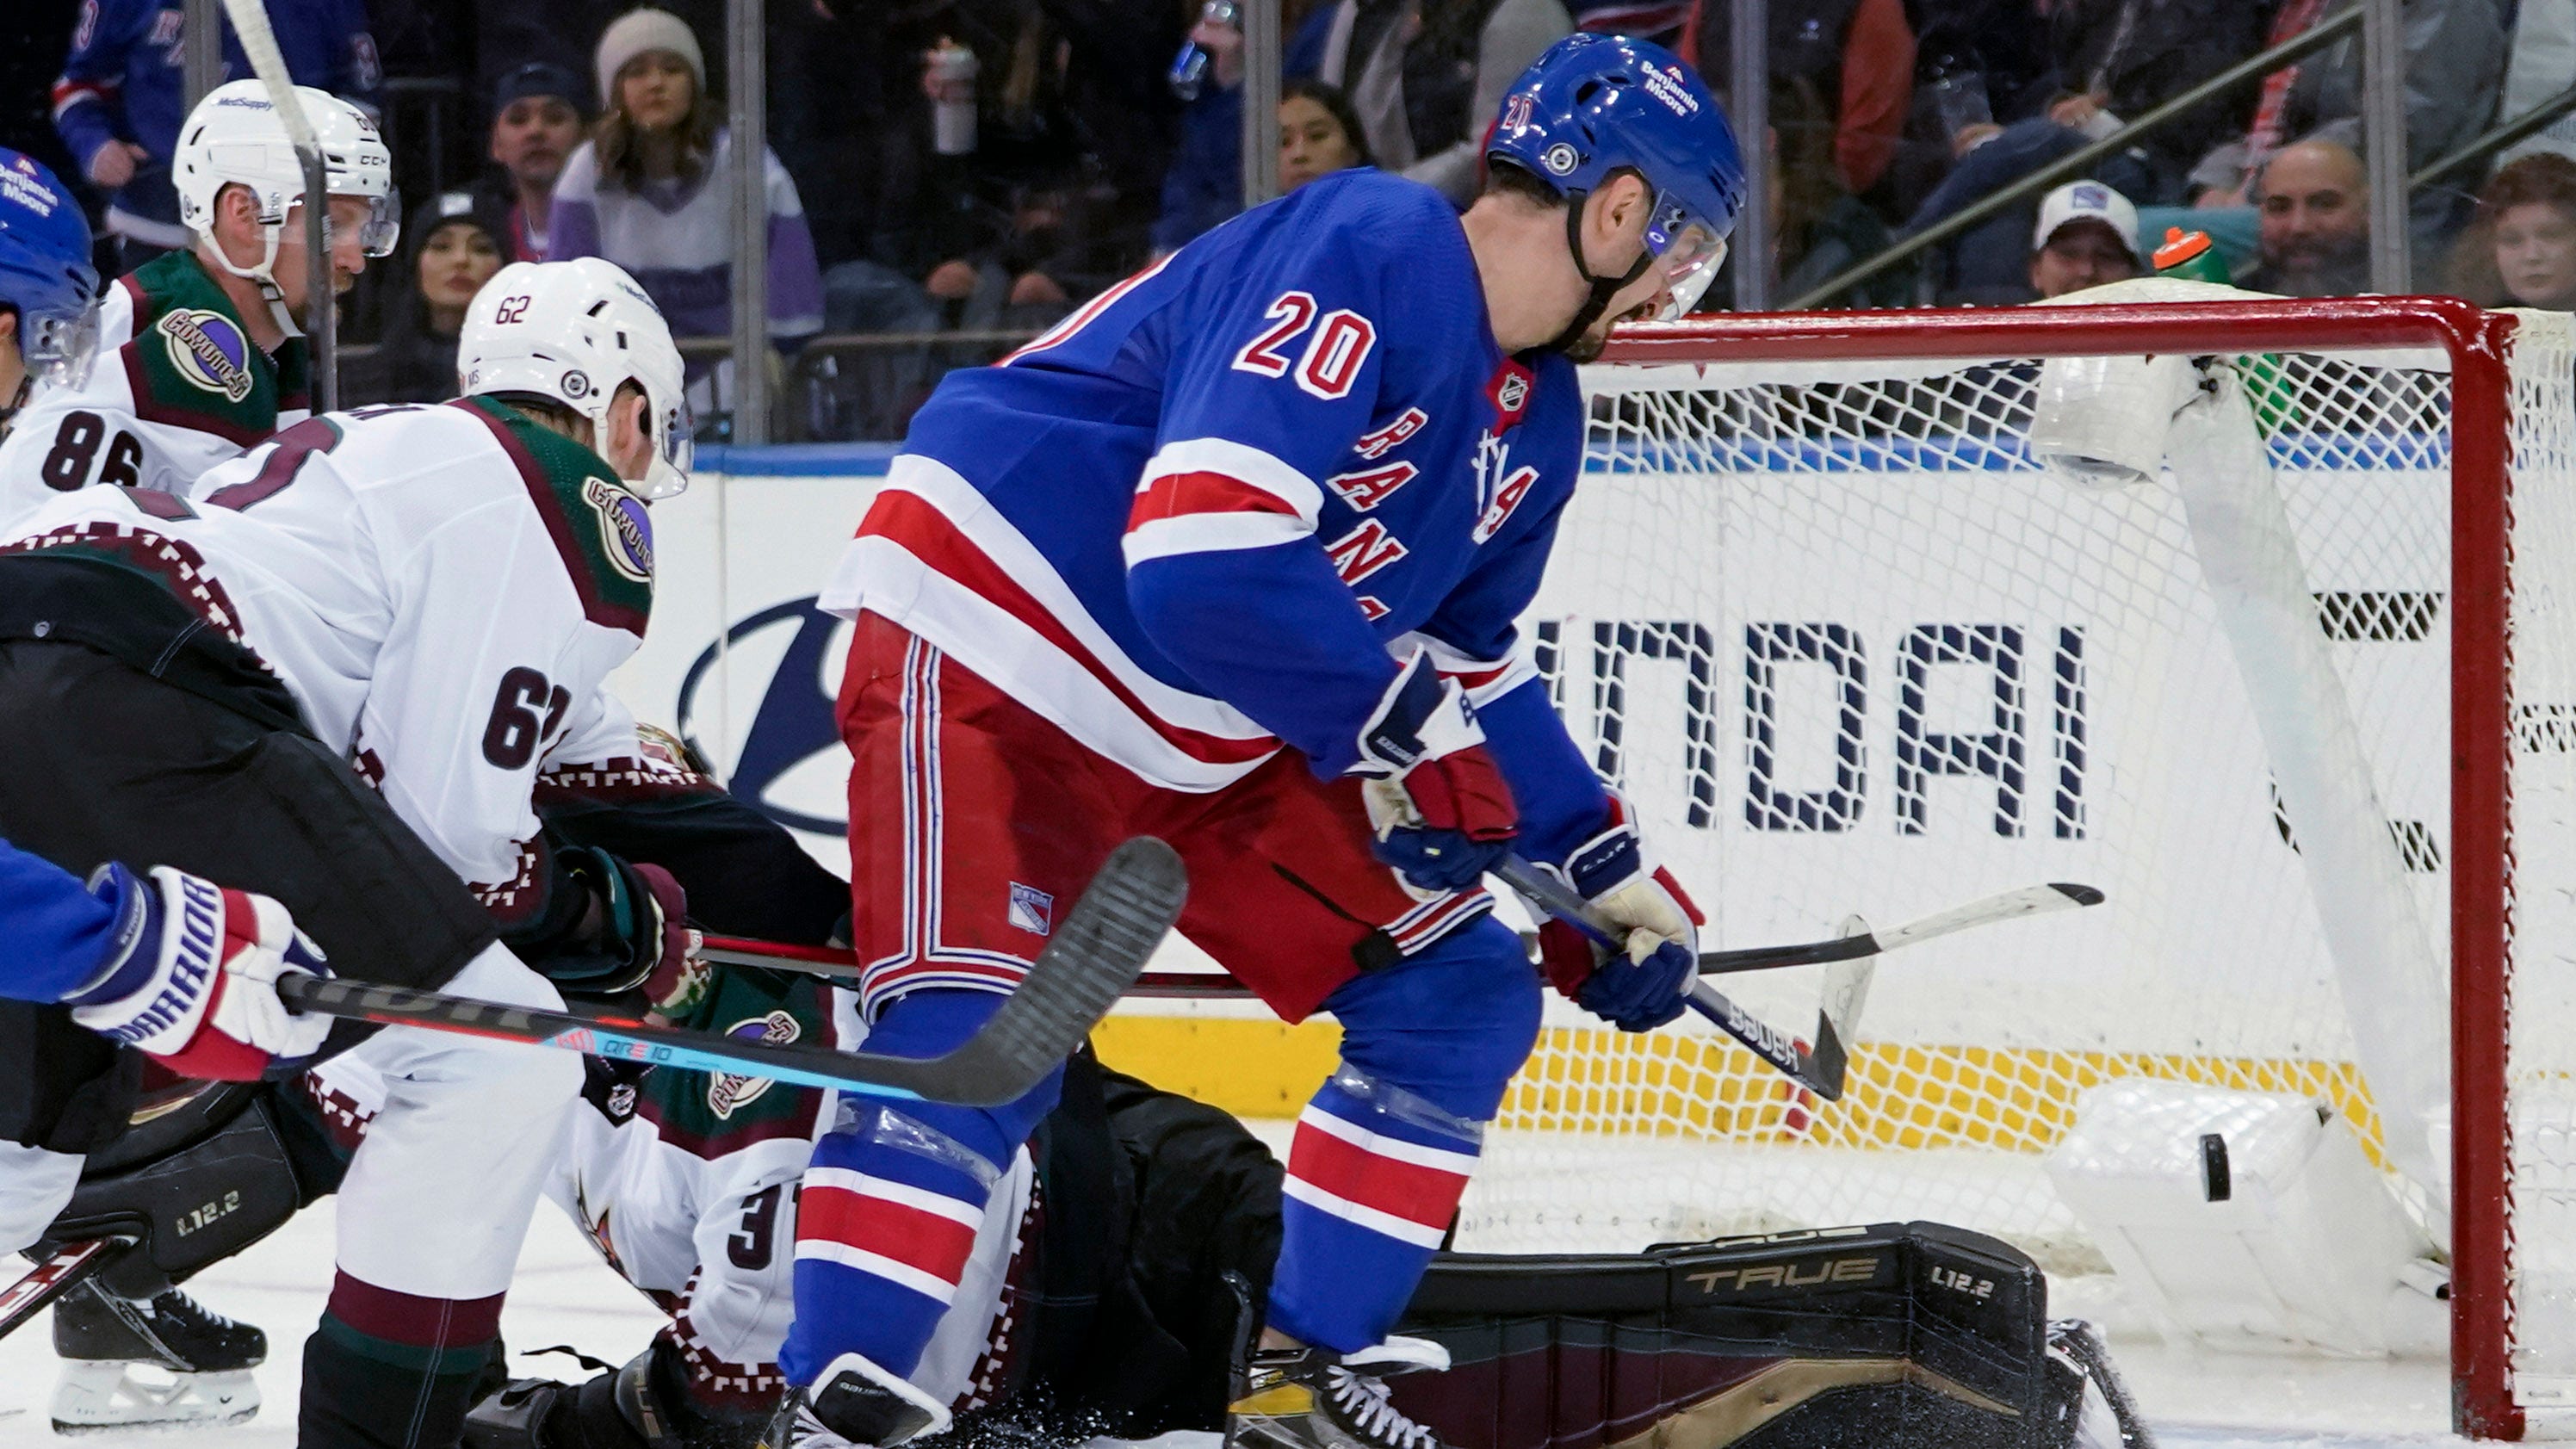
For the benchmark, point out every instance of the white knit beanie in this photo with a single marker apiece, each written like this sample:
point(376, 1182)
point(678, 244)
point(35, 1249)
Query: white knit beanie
point(636, 32)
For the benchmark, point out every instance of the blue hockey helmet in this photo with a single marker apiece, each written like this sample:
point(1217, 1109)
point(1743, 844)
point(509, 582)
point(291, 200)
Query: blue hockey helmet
point(1596, 105)
point(45, 274)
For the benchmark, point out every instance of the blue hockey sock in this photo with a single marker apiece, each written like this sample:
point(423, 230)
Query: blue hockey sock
point(888, 1211)
point(1384, 1150)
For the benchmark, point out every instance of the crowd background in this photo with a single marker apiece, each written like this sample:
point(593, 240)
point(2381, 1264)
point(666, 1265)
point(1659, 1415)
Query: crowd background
point(945, 177)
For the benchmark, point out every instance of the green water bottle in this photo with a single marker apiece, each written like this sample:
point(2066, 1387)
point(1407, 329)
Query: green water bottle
point(2189, 255)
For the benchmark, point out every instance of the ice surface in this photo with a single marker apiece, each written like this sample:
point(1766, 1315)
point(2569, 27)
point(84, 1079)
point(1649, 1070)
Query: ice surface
point(564, 1295)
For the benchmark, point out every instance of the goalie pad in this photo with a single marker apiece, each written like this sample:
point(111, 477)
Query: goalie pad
point(1897, 1336)
point(203, 1174)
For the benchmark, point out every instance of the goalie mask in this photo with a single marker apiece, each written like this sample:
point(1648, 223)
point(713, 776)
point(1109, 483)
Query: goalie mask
point(573, 333)
point(235, 138)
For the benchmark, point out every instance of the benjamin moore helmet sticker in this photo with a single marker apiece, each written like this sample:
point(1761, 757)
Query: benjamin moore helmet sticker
point(209, 350)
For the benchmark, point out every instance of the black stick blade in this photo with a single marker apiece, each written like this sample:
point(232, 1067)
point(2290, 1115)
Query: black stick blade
point(1090, 961)
point(2082, 895)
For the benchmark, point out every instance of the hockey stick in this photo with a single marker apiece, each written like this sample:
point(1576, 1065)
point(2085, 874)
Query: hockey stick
point(1818, 1068)
point(70, 1266)
point(2035, 900)
point(840, 964)
point(1093, 955)
point(321, 314)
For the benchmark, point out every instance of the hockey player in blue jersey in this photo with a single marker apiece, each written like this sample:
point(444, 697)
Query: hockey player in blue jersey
point(1233, 556)
point(48, 290)
point(122, 95)
point(170, 962)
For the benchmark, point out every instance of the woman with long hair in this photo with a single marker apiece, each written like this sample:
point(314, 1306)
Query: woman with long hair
point(2520, 249)
point(652, 189)
point(453, 243)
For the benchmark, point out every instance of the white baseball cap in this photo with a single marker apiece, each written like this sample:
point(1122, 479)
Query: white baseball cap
point(2087, 201)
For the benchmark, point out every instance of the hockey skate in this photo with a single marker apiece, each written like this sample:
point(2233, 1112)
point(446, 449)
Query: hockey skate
point(1314, 1398)
point(161, 1363)
point(855, 1405)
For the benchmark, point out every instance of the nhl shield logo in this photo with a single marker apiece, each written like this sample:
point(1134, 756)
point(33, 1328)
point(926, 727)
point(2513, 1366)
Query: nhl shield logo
point(625, 529)
point(209, 350)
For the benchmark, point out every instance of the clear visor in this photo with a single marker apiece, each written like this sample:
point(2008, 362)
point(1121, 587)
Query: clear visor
point(1689, 250)
point(58, 347)
point(383, 226)
point(668, 474)
point(680, 436)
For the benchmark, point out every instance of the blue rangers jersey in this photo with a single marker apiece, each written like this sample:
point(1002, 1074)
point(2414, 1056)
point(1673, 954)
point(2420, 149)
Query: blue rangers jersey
point(1210, 513)
point(125, 79)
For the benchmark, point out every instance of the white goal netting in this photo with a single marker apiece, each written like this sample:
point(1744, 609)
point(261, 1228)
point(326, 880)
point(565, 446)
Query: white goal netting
point(1850, 648)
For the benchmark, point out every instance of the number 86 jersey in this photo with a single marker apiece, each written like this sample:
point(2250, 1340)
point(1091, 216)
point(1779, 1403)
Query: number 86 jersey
point(443, 590)
point(177, 388)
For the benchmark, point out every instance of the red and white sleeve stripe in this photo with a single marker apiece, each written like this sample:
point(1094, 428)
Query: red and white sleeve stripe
point(1206, 495)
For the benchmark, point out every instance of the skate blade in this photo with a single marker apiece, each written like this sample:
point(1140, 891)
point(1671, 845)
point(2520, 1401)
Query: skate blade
point(100, 1398)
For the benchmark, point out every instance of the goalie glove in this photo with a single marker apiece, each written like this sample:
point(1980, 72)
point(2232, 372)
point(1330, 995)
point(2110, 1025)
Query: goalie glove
point(1645, 987)
point(191, 977)
point(1436, 800)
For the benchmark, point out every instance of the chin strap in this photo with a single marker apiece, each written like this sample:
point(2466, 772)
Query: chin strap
point(1603, 288)
point(263, 276)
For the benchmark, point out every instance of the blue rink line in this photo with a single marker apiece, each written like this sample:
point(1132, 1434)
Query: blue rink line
point(2306, 452)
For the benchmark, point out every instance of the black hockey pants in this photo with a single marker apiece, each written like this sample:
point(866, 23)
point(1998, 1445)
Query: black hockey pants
point(100, 761)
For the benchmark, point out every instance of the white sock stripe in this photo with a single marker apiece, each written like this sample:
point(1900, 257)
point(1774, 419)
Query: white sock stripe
point(1378, 1144)
point(902, 1275)
point(902, 1194)
point(1360, 1215)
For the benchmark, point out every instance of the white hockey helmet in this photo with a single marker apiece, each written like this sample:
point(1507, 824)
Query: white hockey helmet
point(574, 332)
point(234, 138)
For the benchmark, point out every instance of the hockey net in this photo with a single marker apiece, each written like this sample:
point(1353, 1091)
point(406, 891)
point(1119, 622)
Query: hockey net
point(1851, 647)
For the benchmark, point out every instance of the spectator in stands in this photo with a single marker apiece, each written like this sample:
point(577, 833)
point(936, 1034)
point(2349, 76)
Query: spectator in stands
point(2087, 236)
point(2455, 60)
point(536, 123)
point(122, 96)
point(652, 189)
point(1857, 57)
point(454, 242)
point(2521, 248)
point(1426, 76)
point(2314, 197)
point(1819, 229)
point(1319, 134)
point(2115, 60)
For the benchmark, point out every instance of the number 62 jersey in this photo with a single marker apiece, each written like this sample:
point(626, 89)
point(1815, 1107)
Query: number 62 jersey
point(443, 590)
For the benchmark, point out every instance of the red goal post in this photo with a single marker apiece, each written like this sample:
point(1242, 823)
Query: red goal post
point(2479, 347)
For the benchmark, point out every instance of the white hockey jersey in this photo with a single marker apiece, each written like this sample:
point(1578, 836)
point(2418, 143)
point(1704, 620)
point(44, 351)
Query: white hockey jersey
point(177, 388)
point(439, 588)
point(686, 1184)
